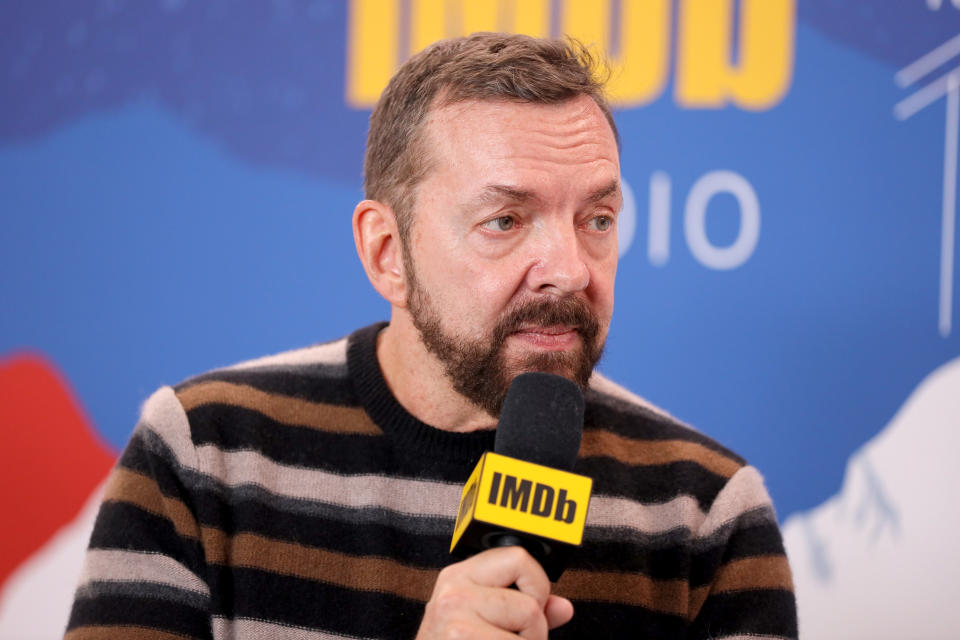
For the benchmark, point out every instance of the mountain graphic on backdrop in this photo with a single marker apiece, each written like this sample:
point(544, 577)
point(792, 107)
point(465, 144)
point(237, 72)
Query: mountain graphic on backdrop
point(879, 553)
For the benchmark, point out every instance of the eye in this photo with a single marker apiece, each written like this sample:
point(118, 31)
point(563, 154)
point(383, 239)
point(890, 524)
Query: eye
point(503, 223)
point(601, 223)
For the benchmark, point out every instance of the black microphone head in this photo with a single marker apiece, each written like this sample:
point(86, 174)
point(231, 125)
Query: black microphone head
point(541, 420)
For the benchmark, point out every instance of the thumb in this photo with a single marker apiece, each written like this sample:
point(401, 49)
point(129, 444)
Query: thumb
point(558, 611)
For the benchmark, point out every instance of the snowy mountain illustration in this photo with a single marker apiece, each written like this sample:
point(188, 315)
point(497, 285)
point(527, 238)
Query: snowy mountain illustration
point(878, 560)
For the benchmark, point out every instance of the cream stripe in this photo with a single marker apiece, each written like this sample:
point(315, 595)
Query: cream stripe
point(421, 497)
point(743, 492)
point(417, 497)
point(112, 565)
point(333, 353)
point(608, 511)
point(227, 629)
point(164, 415)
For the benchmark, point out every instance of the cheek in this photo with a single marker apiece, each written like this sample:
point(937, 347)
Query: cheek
point(490, 291)
point(484, 294)
point(469, 294)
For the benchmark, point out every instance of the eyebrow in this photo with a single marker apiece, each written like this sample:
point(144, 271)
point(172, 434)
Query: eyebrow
point(604, 192)
point(498, 193)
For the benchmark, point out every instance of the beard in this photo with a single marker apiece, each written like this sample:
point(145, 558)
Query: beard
point(481, 371)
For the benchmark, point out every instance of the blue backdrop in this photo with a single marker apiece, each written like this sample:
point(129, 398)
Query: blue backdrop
point(177, 180)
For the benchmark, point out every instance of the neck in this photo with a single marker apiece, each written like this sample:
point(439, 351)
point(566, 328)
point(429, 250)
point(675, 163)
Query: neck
point(418, 382)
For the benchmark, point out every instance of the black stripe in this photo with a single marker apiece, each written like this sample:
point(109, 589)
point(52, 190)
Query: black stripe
point(249, 593)
point(605, 620)
point(121, 525)
point(315, 382)
point(748, 542)
point(762, 612)
point(141, 612)
point(652, 483)
point(660, 562)
point(757, 540)
point(146, 590)
point(370, 539)
point(148, 455)
point(234, 428)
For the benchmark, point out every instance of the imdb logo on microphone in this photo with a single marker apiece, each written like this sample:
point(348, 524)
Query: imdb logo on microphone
point(509, 496)
point(516, 495)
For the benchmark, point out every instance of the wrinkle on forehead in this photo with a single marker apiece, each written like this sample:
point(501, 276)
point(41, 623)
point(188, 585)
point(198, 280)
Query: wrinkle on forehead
point(537, 148)
point(590, 153)
point(554, 127)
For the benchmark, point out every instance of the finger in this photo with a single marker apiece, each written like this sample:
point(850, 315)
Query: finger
point(511, 610)
point(558, 611)
point(506, 566)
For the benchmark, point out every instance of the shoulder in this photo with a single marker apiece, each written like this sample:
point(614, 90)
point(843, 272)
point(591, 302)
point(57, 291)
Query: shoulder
point(290, 387)
point(314, 373)
point(607, 388)
point(640, 453)
point(636, 421)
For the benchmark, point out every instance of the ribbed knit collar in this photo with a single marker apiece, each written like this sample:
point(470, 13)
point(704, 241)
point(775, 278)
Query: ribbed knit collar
point(384, 409)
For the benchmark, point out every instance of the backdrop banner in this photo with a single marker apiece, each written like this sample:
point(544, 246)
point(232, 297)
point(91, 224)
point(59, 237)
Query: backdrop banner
point(176, 186)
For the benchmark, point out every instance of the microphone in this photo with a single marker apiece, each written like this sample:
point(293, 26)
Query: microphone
point(523, 492)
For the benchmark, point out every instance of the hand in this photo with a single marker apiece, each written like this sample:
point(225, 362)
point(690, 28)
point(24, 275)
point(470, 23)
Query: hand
point(473, 599)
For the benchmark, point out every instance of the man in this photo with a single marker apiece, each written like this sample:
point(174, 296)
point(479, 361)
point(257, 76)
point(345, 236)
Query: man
point(312, 494)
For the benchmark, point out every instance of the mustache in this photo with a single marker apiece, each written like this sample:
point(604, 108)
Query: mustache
point(571, 312)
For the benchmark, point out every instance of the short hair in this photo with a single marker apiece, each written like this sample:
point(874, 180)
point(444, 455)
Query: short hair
point(481, 66)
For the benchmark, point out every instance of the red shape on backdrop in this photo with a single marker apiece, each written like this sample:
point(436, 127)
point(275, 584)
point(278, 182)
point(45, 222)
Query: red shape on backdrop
point(51, 458)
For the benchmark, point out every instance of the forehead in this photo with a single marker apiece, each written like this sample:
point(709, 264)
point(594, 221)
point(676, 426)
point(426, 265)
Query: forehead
point(572, 132)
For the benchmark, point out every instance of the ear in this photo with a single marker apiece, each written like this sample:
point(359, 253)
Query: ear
point(378, 244)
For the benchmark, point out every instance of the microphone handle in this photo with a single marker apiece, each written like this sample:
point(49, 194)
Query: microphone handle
point(534, 547)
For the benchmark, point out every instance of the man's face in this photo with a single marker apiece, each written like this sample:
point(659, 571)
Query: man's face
point(512, 255)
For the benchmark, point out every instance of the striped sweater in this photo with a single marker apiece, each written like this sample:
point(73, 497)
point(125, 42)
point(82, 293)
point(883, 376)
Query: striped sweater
point(294, 497)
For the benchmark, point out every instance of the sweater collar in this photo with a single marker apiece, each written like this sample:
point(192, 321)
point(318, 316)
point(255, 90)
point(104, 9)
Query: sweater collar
point(395, 421)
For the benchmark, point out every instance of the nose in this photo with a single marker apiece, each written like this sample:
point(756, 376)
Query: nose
point(558, 265)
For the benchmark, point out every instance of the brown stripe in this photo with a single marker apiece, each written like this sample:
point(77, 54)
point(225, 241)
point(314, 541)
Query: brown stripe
point(697, 597)
point(312, 563)
point(760, 572)
point(137, 489)
point(654, 452)
point(120, 631)
point(285, 409)
point(388, 576)
point(666, 596)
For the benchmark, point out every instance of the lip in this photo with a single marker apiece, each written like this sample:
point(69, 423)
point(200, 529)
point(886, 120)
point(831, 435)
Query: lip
point(553, 338)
